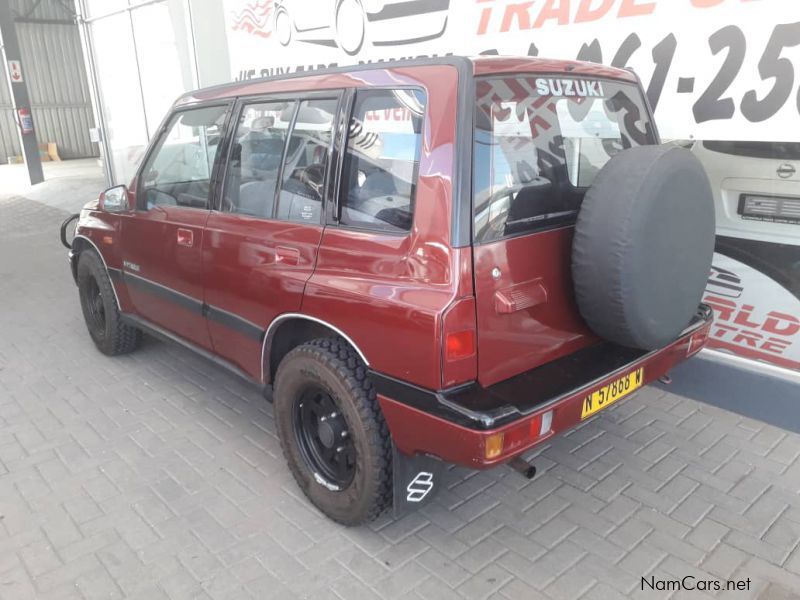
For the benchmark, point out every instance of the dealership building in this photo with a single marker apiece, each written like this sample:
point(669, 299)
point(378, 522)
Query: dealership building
point(726, 87)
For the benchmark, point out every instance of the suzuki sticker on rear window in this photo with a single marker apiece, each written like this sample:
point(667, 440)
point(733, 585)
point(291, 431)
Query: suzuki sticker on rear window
point(577, 88)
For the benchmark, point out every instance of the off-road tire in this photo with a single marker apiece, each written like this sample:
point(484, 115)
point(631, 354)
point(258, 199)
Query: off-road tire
point(333, 365)
point(114, 337)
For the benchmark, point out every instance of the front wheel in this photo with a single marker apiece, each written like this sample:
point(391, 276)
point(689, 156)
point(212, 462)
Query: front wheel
point(332, 431)
point(100, 311)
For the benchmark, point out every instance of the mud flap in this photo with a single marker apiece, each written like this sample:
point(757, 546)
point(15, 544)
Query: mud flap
point(416, 480)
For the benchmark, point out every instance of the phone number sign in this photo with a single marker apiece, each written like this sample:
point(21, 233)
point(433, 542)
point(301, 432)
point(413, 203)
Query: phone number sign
point(713, 69)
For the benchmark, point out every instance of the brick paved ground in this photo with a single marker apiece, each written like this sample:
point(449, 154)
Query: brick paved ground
point(157, 475)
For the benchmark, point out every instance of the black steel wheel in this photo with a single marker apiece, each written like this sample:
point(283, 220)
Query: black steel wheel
point(323, 437)
point(332, 431)
point(94, 310)
point(100, 310)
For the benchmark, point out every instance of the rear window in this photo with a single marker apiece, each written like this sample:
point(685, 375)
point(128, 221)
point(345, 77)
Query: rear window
point(540, 142)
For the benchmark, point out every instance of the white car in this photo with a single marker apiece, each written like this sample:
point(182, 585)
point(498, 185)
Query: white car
point(348, 24)
point(754, 285)
point(756, 187)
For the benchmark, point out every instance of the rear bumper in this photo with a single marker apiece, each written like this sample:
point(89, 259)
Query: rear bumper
point(456, 425)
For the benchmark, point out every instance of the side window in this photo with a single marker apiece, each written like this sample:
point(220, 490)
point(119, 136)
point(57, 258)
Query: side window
point(178, 171)
point(303, 180)
point(255, 158)
point(381, 161)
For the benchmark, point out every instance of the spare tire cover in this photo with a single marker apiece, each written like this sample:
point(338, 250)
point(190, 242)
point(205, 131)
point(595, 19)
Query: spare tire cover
point(643, 245)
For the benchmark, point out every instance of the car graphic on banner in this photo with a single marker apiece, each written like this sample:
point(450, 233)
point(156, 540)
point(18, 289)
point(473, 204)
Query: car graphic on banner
point(348, 24)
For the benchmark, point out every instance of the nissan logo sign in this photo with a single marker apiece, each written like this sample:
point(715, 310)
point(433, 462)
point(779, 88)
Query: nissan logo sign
point(786, 171)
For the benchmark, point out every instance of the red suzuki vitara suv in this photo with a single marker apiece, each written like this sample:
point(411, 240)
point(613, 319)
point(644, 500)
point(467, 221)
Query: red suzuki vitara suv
point(444, 260)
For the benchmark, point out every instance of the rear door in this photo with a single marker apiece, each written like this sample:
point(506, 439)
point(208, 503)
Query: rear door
point(162, 238)
point(539, 142)
point(260, 246)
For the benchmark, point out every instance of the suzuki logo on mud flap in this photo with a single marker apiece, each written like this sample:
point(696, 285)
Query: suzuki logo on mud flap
point(420, 486)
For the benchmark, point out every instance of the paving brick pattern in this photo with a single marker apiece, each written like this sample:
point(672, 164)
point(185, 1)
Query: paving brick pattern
point(158, 476)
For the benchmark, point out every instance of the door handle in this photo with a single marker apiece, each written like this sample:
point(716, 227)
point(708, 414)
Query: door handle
point(185, 237)
point(287, 256)
point(520, 297)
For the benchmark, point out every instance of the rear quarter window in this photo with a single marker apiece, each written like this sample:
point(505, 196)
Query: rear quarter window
point(381, 162)
point(540, 142)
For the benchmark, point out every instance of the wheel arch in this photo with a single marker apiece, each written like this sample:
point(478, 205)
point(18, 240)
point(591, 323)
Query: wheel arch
point(80, 244)
point(288, 331)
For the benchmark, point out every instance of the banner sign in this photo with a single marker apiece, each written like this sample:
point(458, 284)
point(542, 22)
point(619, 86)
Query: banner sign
point(755, 316)
point(713, 69)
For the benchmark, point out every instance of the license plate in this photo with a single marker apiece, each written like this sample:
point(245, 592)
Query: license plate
point(608, 394)
point(773, 209)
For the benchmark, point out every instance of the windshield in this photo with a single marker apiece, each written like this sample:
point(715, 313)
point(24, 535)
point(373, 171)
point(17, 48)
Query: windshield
point(540, 142)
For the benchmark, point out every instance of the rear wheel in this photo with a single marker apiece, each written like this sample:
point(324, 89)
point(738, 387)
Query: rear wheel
point(350, 26)
point(100, 311)
point(332, 432)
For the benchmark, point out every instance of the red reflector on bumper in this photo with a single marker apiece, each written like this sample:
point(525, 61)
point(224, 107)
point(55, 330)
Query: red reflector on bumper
point(522, 435)
point(697, 341)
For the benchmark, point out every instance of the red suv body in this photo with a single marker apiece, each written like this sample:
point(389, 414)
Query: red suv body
point(358, 204)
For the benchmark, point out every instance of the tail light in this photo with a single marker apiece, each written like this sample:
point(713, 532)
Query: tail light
point(459, 343)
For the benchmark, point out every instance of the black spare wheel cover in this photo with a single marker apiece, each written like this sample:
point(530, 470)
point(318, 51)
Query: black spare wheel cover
point(643, 244)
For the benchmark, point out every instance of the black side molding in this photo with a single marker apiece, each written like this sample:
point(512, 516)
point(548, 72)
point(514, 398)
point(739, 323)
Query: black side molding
point(195, 305)
point(166, 293)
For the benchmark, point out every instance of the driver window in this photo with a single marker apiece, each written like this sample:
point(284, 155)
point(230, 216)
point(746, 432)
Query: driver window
point(178, 172)
point(381, 162)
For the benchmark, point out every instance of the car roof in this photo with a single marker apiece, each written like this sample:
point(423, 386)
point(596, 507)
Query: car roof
point(517, 65)
point(475, 66)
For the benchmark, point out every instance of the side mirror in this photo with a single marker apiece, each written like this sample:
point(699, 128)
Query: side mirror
point(114, 199)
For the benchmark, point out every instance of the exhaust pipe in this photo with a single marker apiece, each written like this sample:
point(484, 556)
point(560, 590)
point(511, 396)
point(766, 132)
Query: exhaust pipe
point(521, 466)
